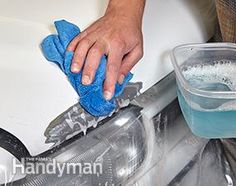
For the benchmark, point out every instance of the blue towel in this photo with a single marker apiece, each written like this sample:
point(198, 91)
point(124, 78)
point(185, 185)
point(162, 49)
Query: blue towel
point(91, 96)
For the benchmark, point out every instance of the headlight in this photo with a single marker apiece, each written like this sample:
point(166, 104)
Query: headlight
point(117, 149)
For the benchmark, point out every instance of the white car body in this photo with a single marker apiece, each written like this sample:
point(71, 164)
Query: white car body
point(33, 91)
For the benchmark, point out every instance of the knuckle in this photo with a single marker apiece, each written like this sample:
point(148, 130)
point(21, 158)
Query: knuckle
point(124, 71)
point(78, 55)
point(89, 67)
point(72, 45)
point(126, 68)
point(96, 50)
point(112, 68)
point(118, 43)
point(78, 58)
point(85, 42)
point(109, 84)
point(82, 49)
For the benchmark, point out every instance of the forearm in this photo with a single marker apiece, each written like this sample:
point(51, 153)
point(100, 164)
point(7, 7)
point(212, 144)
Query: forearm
point(132, 9)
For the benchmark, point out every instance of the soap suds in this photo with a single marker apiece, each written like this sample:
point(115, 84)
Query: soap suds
point(217, 76)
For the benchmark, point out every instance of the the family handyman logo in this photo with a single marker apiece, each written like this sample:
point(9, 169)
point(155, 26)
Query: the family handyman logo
point(57, 168)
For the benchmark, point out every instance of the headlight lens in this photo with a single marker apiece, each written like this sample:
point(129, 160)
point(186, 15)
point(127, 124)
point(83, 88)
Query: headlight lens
point(118, 146)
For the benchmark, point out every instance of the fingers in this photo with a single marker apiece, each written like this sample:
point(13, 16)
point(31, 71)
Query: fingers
point(73, 44)
point(129, 61)
point(113, 65)
point(94, 56)
point(118, 66)
point(80, 55)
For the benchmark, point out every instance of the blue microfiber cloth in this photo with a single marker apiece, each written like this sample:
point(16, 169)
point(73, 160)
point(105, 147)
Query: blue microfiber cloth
point(91, 96)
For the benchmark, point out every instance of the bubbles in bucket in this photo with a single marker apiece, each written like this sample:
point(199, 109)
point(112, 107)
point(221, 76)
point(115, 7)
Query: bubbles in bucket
point(213, 76)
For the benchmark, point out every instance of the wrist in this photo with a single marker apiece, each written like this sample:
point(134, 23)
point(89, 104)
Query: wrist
point(128, 9)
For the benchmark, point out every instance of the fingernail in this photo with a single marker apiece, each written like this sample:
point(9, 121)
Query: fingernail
point(121, 79)
point(75, 68)
point(107, 95)
point(86, 80)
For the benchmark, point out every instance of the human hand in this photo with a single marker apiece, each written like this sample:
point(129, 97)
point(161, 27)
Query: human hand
point(118, 35)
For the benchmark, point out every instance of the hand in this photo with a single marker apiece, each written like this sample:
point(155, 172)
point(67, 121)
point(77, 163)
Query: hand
point(118, 35)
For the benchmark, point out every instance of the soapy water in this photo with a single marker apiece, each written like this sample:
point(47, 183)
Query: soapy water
point(210, 117)
point(219, 76)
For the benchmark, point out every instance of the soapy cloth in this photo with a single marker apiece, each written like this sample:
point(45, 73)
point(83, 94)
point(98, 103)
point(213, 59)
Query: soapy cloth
point(90, 96)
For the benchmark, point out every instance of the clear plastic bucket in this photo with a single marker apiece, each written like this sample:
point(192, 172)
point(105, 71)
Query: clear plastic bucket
point(206, 87)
